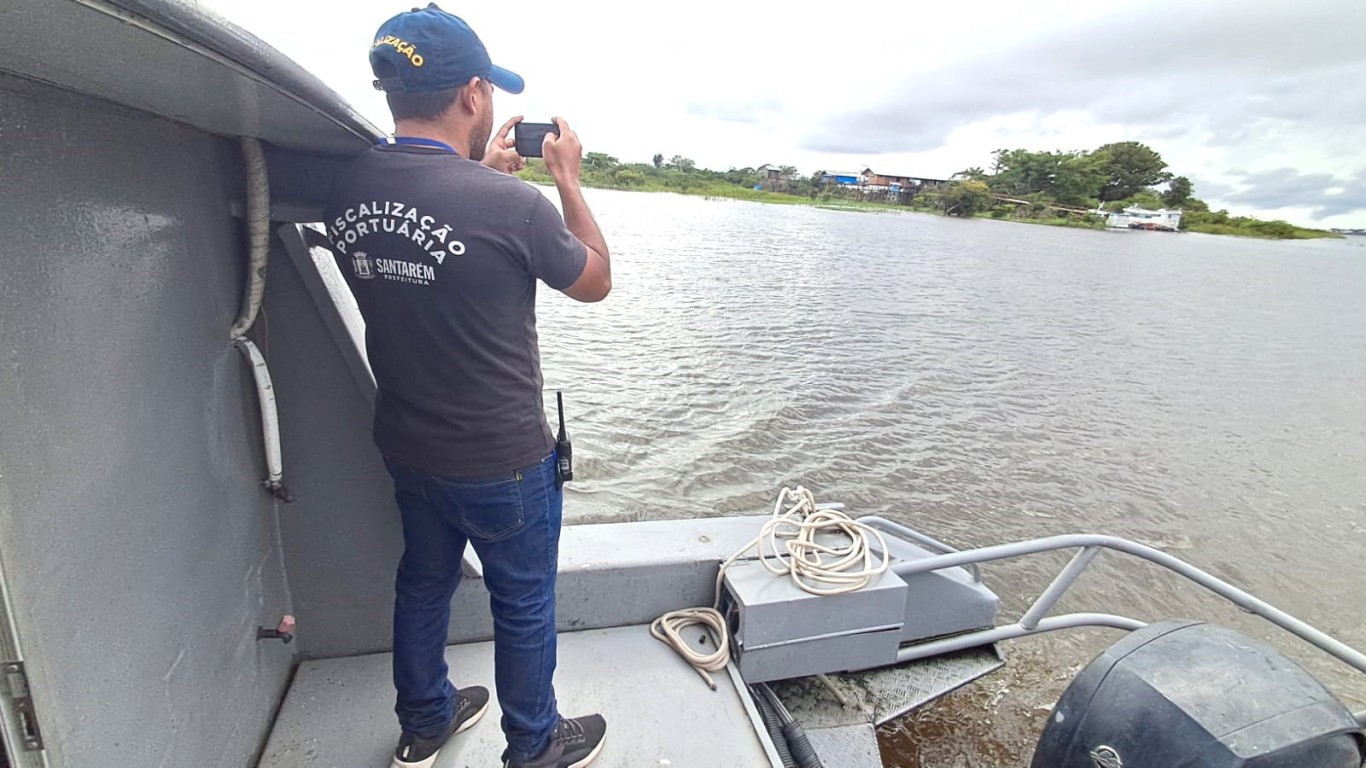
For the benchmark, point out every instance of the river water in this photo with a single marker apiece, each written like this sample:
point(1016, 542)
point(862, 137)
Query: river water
point(988, 382)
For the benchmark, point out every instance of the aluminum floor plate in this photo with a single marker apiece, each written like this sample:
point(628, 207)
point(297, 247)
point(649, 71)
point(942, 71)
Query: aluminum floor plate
point(339, 712)
point(877, 696)
point(846, 746)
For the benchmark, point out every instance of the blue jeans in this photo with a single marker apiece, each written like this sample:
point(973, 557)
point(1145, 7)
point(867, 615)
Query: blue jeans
point(513, 521)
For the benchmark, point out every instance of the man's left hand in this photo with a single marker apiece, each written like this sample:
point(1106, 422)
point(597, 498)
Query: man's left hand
point(501, 154)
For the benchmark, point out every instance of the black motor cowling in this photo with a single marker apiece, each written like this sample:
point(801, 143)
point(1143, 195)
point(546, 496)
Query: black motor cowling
point(1182, 694)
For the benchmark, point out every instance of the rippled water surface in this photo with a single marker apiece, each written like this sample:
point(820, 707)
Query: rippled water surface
point(988, 382)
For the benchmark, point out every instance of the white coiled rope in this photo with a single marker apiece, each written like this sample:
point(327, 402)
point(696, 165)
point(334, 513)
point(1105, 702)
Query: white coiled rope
point(669, 628)
point(817, 568)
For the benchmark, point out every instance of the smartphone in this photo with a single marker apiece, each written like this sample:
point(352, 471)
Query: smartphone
point(529, 136)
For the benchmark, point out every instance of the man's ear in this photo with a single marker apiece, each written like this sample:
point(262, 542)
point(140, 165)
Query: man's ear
point(468, 94)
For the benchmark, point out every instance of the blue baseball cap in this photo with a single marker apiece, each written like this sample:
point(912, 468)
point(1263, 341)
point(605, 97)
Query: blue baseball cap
point(428, 49)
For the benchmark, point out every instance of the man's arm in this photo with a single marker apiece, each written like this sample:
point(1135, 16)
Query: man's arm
point(562, 158)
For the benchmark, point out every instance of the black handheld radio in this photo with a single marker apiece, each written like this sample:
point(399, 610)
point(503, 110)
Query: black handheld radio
point(564, 452)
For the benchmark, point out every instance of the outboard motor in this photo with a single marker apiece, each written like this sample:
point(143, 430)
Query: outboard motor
point(1182, 694)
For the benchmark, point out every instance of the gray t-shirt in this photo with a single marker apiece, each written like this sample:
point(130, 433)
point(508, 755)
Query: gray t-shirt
point(443, 255)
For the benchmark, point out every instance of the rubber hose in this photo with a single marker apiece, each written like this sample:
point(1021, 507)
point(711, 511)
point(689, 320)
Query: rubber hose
point(258, 235)
point(801, 748)
point(774, 728)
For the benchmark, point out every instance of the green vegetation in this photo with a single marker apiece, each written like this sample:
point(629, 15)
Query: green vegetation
point(1065, 188)
point(681, 175)
point(1128, 168)
point(1053, 188)
point(1220, 223)
point(966, 198)
point(1179, 193)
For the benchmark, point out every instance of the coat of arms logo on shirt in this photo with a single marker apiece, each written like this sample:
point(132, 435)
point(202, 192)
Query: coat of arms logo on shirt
point(365, 268)
point(1106, 757)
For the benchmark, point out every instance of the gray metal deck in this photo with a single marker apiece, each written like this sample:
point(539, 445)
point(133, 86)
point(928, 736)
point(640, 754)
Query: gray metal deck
point(339, 712)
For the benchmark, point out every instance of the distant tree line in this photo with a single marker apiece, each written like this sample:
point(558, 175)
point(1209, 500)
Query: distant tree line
point(679, 174)
point(1115, 174)
point(1060, 186)
point(1050, 187)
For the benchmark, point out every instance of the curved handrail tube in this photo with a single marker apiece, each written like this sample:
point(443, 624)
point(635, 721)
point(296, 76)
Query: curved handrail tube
point(1012, 631)
point(888, 526)
point(1247, 602)
point(1044, 602)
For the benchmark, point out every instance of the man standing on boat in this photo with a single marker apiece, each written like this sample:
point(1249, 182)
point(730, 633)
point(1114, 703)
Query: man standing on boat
point(442, 249)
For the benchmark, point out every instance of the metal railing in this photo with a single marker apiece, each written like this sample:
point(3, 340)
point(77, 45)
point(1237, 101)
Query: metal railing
point(897, 529)
point(1036, 619)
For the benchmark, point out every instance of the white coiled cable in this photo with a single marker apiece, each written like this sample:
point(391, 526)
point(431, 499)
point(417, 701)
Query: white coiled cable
point(814, 567)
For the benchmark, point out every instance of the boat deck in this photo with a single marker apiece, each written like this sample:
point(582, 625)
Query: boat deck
point(338, 713)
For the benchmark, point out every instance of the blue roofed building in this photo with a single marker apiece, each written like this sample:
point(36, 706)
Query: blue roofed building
point(842, 178)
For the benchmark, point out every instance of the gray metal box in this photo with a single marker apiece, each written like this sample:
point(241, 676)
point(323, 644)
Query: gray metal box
point(940, 603)
point(774, 610)
point(783, 631)
point(816, 656)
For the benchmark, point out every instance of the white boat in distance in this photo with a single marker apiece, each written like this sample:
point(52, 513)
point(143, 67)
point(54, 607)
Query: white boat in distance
point(1134, 217)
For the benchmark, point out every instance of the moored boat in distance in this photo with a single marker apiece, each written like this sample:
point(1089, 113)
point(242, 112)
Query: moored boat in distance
point(1134, 217)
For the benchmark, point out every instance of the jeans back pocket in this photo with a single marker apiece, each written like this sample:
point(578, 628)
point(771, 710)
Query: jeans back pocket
point(489, 510)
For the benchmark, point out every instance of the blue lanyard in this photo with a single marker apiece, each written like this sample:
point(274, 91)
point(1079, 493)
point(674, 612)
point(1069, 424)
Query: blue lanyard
point(414, 141)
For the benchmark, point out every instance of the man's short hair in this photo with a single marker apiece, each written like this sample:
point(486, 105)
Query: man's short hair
point(427, 105)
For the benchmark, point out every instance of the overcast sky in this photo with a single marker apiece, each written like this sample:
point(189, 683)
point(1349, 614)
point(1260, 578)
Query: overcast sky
point(1260, 102)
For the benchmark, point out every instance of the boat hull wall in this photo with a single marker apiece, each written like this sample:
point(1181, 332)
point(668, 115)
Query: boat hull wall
point(140, 548)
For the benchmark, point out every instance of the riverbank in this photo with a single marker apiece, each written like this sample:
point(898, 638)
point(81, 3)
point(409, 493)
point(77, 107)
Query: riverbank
point(714, 190)
point(733, 192)
point(1293, 233)
point(718, 189)
point(1057, 189)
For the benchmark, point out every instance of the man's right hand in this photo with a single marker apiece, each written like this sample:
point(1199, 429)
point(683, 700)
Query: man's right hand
point(563, 158)
point(563, 154)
